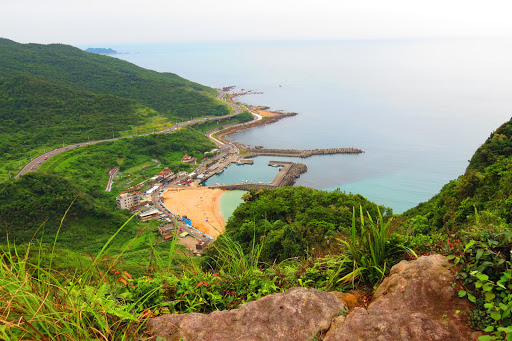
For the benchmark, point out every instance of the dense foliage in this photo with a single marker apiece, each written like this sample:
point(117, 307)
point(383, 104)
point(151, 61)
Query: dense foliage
point(294, 221)
point(77, 69)
point(38, 113)
point(482, 254)
point(497, 147)
point(41, 200)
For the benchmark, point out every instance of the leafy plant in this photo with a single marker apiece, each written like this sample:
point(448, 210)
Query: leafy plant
point(486, 270)
point(369, 249)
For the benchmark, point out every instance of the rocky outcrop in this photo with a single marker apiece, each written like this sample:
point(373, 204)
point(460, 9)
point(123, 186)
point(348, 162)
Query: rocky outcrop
point(417, 302)
point(299, 314)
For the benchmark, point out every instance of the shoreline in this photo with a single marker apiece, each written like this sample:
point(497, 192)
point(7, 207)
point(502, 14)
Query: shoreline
point(266, 116)
point(252, 124)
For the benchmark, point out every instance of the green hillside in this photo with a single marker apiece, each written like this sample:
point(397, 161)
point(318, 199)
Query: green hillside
point(56, 94)
point(38, 113)
point(69, 66)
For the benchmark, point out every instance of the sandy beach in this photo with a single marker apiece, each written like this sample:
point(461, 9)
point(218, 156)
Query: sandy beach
point(200, 205)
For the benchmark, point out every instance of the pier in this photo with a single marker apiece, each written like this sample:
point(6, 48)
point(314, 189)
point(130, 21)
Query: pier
point(253, 152)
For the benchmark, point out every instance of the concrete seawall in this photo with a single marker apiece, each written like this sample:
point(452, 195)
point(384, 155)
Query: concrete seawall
point(253, 152)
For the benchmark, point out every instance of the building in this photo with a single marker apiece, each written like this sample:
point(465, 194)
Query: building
point(149, 214)
point(188, 159)
point(166, 173)
point(128, 200)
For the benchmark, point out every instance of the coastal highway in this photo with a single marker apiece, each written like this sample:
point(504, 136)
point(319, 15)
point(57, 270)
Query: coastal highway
point(37, 161)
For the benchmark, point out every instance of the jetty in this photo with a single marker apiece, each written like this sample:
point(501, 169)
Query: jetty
point(253, 152)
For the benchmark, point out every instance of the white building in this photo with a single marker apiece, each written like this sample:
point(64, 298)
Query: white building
point(150, 214)
point(128, 200)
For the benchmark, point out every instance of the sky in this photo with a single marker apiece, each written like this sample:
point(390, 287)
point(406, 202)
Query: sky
point(136, 21)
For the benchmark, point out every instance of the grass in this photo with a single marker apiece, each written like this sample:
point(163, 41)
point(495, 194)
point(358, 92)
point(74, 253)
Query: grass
point(39, 302)
point(95, 302)
point(369, 251)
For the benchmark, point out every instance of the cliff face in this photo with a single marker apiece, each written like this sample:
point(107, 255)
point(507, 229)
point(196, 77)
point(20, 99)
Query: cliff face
point(418, 301)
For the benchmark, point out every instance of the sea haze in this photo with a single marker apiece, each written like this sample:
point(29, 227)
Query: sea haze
point(418, 108)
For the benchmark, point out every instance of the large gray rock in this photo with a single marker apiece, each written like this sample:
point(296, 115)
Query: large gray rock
point(418, 301)
point(298, 314)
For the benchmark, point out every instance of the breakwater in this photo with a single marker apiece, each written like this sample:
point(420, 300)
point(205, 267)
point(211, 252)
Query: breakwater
point(253, 152)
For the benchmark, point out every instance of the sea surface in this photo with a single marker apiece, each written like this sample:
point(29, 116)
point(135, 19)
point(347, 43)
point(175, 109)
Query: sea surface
point(418, 108)
point(229, 201)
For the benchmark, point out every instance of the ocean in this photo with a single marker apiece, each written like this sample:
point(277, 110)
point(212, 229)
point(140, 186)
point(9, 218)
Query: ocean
point(418, 108)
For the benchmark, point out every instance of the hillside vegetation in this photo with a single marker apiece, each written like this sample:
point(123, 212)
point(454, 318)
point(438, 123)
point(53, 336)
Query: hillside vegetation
point(57, 94)
point(294, 221)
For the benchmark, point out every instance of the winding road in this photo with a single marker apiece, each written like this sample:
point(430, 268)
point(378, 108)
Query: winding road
point(37, 161)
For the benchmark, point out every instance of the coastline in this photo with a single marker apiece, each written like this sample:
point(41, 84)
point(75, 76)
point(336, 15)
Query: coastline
point(252, 124)
point(266, 116)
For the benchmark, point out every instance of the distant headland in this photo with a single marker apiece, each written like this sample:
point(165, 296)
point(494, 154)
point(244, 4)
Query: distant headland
point(100, 50)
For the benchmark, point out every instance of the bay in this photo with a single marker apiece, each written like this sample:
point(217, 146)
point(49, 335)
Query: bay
point(418, 108)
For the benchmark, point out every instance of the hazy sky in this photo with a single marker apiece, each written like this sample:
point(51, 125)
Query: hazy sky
point(122, 21)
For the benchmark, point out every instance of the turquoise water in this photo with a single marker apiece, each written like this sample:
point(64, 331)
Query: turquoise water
point(229, 201)
point(418, 108)
point(257, 172)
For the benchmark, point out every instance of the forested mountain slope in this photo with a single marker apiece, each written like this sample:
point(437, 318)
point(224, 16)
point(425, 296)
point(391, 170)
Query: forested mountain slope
point(57, 94)
point(72, 67)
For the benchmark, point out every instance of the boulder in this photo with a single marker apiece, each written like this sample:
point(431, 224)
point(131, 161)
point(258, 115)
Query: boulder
point(418, 301)
point(298, 314)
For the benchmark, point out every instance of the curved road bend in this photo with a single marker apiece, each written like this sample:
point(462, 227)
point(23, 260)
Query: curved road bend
point(37, 161)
